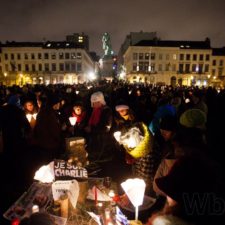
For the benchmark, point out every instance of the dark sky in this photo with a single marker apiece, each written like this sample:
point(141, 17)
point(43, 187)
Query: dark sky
point(33, 20)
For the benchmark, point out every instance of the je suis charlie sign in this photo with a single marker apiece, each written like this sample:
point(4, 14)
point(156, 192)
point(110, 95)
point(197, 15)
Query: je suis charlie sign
point(67, 171)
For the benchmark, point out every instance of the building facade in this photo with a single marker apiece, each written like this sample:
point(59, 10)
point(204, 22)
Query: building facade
point(174, 63)
point(44, 63)
point(218, 66)
point(79, 39)
point(132, 39)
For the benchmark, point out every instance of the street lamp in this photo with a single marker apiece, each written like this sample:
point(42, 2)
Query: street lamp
point(91, 76)
point(21, 79)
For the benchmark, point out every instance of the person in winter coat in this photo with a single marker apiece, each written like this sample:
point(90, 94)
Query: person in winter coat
point(80, 115)
point(99, 137)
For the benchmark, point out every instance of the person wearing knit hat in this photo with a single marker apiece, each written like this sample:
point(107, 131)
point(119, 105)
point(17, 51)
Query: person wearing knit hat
point(99, 138)
point(124, 117)
point(168, 125)
point(121, 107)
point(97, 97)
point(193, 118)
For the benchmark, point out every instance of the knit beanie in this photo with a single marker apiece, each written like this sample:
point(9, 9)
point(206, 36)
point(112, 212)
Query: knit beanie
point(98, 97)
point(193, 118)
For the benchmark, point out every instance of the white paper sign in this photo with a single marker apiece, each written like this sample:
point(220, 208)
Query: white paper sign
point(71, 187)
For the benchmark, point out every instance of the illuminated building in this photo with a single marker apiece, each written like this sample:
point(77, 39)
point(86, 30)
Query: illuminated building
point(48, 62)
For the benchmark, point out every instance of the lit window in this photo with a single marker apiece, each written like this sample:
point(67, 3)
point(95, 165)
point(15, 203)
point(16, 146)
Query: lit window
point(73, 55)
point(80, 39)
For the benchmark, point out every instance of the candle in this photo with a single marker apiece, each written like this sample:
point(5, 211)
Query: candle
point(96, 195)
point(100, 204)
point(111, 194)
point(15, 221)
point(29, 117)
point(35, 208)
point(72, 120)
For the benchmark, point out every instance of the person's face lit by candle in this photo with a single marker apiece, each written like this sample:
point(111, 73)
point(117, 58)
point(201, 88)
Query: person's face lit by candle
point(166, 134)
point(29, 106)
point(123, 112)
point(56, 106)
point(77, 110)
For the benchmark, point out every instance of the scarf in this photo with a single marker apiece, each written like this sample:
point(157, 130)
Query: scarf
point(95, 116)
point(79, 117)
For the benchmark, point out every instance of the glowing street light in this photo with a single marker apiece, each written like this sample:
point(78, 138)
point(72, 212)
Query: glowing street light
point(91, 75)
point(122, 75)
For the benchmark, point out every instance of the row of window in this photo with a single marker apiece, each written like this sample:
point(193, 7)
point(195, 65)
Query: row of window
point(198, 68)
point(188, 57)
point(220, 62)
point(195, 57)
point(69, 67)
point(145, 66)
point(187, 68)
point(152, 56)
point(27, 56)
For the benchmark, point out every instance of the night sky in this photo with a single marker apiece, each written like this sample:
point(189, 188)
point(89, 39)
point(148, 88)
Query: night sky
point(36, 20)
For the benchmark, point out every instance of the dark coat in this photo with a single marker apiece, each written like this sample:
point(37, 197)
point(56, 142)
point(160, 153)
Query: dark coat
point(100, 139)
point(47, 132)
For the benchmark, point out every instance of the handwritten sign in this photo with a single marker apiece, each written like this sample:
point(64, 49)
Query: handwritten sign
point(71, 187)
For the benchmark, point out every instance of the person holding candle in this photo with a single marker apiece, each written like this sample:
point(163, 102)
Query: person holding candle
point(78, 111)
point(47, 135)
point(124, 119)
point(30, 111)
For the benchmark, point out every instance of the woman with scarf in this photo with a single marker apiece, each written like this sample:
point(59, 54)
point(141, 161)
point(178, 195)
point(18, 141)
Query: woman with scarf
point(78, 112)
point(99, 137)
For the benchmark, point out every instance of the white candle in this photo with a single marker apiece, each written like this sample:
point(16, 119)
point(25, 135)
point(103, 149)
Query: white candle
point(111, 194)
point(35, 209)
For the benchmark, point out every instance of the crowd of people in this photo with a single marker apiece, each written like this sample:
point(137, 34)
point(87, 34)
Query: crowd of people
point(182, 160)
